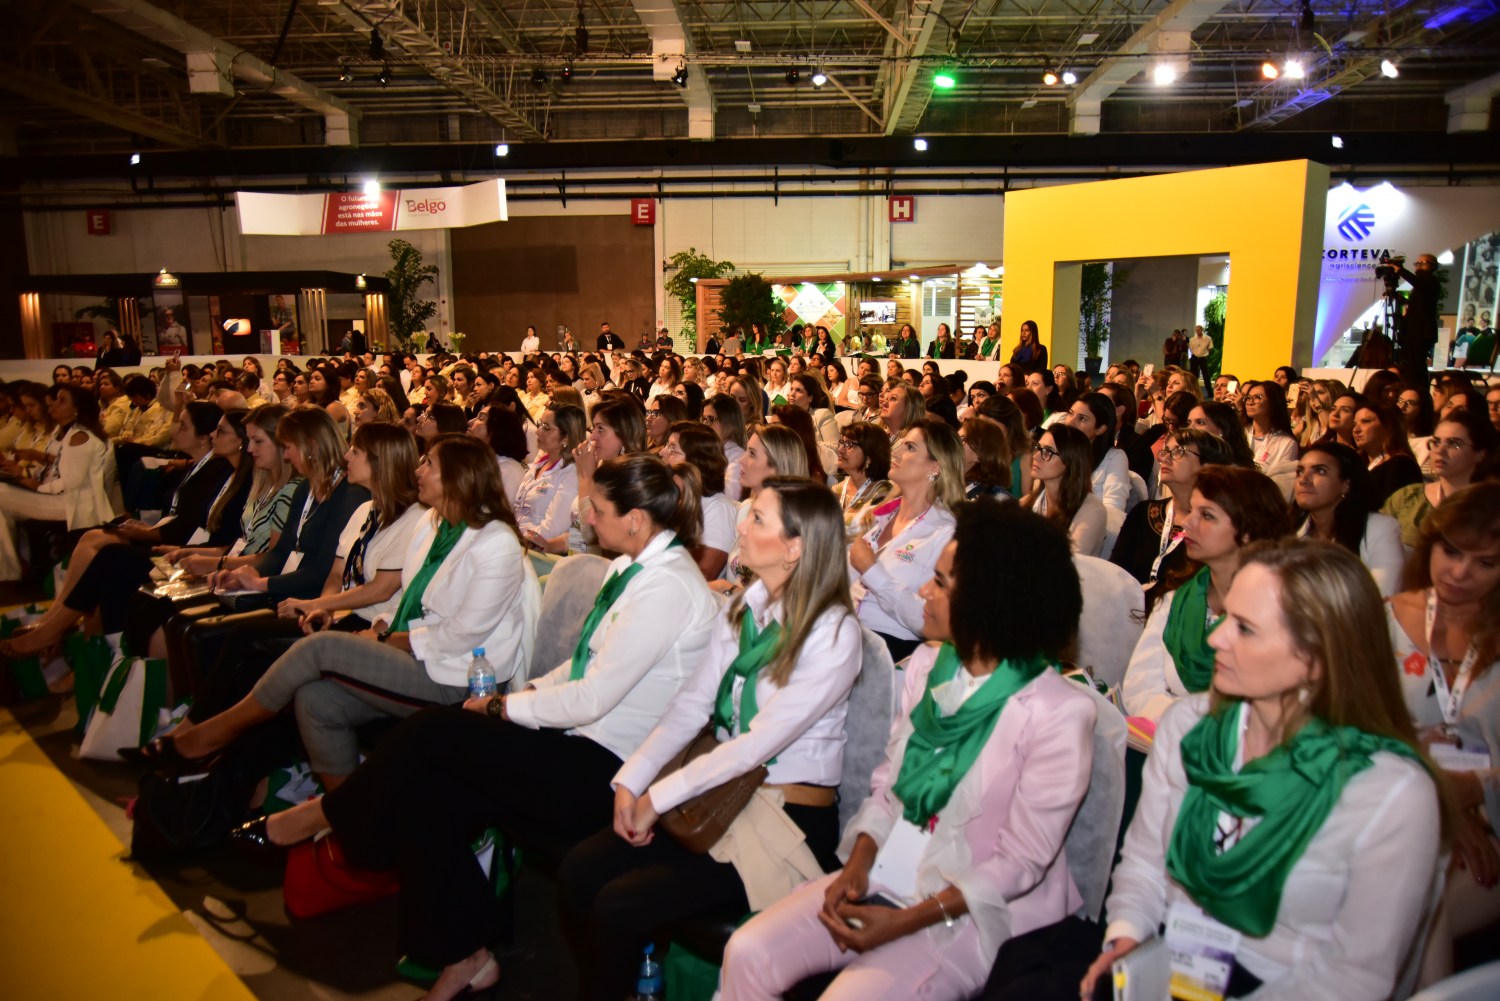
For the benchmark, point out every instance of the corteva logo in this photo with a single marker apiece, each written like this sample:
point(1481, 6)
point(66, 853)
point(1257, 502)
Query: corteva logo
point(423, 206)
point(1356, 223)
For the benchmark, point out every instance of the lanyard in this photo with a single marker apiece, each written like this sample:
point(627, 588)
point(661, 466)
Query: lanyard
point(1449, 699)
point(1170, 540)
point(880, 527)
point(176, 494)
point(311, 504)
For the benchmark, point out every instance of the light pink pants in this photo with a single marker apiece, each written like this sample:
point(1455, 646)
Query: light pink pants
point(786, 943)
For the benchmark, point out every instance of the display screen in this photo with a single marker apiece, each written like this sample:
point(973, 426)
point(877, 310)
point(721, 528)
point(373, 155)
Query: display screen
point(877, 311)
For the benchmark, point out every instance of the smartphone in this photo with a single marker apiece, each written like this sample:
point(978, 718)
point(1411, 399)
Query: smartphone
point(1149, 370)
point(1234, 386)
point(874, 900)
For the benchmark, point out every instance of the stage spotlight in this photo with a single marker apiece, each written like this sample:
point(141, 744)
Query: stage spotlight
point(502, 149)
point(384, 76)
point(680, 78)
point(944, 79)
point(539, 77)
point(1069, 77)
point(1294, 69)
point(1307, 22)
point(1049, 78)
point(793, 77)
point(920, 145)
point(1269, 71)
point(1388, 69)
point(1164, 74)
point(819, 78)
point(567, 73)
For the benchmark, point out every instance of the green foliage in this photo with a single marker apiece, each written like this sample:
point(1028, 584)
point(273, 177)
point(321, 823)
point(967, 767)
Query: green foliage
point(408, 312)
point(687, 265)
point(748, 299)
point(109, 311)
point(1096, 286)
point(1213, 325)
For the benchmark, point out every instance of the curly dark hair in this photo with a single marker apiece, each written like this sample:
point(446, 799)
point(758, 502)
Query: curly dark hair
point(1003, 550)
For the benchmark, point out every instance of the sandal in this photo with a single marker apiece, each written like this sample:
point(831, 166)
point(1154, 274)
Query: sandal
point(162, 756)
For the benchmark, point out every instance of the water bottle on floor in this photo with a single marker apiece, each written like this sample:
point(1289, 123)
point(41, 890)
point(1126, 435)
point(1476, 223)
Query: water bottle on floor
point(648, 982)
point(481, 676)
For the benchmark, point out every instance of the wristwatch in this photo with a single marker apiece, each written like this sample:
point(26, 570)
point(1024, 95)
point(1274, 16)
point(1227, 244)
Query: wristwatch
point(496, 706)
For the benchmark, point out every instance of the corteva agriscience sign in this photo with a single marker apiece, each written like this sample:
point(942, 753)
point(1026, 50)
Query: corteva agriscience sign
point(371, 211)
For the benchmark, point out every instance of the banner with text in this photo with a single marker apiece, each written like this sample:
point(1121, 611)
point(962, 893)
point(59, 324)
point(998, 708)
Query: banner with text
point(384, 211)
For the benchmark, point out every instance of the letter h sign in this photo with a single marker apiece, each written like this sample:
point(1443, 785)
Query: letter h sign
point(903, 208)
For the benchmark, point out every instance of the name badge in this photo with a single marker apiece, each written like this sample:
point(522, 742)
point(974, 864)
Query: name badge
point(239, 547)
point(895, 868)
point(293, 561)
point(857, 592)
point(1202, 951)
point(198, 538)
point(1452, 758)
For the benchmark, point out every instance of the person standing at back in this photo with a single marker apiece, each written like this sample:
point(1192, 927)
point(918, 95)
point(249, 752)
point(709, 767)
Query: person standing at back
point(1200, 346)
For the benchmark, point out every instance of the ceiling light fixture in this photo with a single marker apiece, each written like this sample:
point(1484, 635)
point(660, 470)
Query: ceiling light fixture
point(920, 145)
point(502, 149)
point(1049, 78)
point(1306, 21)
point(345, 76)
point(1388, 69)
point(793, 76)
point(135, 159)
point(567, 72)
point(539, 77)
point(1165, 74)
point(1069, 77)
point(819, 78)
point(1088, 38)
point(1269, 71)
point(680, 78)
point(1338, 142)
point(384, 76)
point(1294, 70)
point(944, 79)
point(371, 188)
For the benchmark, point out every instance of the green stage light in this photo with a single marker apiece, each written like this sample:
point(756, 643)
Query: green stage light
point(944, 80)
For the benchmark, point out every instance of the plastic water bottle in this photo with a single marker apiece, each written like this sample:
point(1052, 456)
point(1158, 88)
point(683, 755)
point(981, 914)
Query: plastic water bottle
point(481, 676)
point(648, 982)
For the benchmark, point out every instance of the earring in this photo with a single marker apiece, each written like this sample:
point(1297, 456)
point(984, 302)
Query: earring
point(632, 531)
point(1304, 694)
point(932, 477)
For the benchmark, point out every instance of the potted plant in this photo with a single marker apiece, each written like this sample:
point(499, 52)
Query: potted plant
point(1095, 292)
point(1213, 325)
point(748, 299)
point(409, 312)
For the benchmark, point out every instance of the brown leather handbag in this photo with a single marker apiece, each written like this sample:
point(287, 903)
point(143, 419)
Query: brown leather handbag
point(699, 823)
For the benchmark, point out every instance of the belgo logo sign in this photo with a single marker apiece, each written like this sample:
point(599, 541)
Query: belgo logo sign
point(426, 206)
point(1356, 223)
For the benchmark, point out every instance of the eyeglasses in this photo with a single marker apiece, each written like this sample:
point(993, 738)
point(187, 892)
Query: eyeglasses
point(1407, 404)
point(845, 445)
point(544, 426)
point(710, 420)
point(1255, 398)
point(1446, 444)
point(1045, 451)
point(1179, 452)
point(669, 447)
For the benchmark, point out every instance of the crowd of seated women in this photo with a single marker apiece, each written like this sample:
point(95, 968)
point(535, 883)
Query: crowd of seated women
point(1319, 613)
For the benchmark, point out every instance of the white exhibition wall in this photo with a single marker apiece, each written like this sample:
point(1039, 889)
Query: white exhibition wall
point(801, 232)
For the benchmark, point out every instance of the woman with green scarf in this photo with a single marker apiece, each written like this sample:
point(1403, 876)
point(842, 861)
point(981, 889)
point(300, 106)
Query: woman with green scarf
point(774, 685)
point(1290, 815)
point(1231, 508)
point(959, 847)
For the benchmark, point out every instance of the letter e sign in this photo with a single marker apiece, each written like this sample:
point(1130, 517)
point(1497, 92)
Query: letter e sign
point(643, 211)
point(98, 220)
point(903, 208)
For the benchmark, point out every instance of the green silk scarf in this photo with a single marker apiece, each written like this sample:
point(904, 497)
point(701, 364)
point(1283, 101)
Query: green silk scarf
point(758, 647)
point(1187, 632)
point(411, 601)
point(1292, 790)
point(942, 749)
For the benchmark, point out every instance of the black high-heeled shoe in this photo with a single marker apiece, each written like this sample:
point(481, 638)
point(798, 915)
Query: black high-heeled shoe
point(253, 840)
point(161, 755)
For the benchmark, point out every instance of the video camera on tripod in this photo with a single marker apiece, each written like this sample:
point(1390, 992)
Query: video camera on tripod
point(1389, 272)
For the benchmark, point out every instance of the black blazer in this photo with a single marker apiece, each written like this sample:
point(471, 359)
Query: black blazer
point(317, 541)
point(194, 496)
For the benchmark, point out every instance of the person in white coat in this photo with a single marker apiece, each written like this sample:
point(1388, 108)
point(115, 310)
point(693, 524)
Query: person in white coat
point(465, 587)
point(1331, 501)
point(74, 486)
point(1231, 507)
point(1094, 415)
point(544, 501)
point(1290, 813)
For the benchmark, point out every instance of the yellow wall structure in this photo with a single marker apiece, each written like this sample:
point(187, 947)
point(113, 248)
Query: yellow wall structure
point(1267, 217)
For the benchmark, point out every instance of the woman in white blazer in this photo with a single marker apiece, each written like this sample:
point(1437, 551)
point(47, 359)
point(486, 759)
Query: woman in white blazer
point(1290, 813)
point(76, 484)
point(566, 733)
point(544, 501)
point(1331, 501)
point(465, 586)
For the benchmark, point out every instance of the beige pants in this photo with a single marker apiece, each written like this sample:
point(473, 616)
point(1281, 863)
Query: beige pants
point(1465, 907)
point(18, 504)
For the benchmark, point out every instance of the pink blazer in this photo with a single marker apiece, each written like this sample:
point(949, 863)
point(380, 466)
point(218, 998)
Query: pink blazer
point(1000, 838)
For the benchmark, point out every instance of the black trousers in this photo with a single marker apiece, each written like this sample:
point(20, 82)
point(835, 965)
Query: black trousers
point(439, 779)
point(616, 896)
point(247, 650)
point(109, 584)
point(899, 648)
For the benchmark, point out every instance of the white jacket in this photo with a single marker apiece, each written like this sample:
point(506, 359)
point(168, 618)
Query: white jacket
point(85, 474)
point(484, 594)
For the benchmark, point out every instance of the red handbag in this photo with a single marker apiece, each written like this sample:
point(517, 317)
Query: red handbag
point(320, 879)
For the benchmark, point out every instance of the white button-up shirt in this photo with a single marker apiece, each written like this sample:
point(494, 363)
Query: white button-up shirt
point(890, 604)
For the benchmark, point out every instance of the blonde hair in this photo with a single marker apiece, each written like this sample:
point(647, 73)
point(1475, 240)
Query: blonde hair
point(391, 452)
point(317, 437)
point(751, 386)
point(266, 482)
point(385, 407)
point(942, 443)
point(785, 449)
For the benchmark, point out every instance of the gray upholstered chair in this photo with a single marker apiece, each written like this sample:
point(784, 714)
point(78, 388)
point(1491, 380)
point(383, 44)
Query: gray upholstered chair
point(867, 728)
point(1109, 626)
point(1091, 839)
point(566, 601)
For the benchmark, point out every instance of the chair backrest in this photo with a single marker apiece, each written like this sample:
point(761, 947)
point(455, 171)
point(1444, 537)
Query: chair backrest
point(1090, 842)
point(1109, 627)
point(566, 601)
point(867, 727)
point(1138, 491)
point(843, 417)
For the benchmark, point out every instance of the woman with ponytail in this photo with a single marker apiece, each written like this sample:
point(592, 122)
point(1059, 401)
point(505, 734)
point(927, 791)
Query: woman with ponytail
point(774, 687)
point(988, 760)
point(538, 761)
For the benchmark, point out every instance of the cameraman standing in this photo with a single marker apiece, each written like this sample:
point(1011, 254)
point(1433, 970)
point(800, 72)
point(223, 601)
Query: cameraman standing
point(1417, 334)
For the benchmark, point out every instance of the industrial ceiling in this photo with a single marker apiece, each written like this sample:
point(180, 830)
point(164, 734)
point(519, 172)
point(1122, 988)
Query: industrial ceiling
point(95, 77)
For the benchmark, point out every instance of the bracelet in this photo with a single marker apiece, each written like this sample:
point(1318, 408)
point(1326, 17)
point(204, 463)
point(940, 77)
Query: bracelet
point(495, 706)
point(947, 921)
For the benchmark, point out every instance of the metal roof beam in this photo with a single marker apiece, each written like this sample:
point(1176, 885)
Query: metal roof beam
point(211, 62)
point(671, 44)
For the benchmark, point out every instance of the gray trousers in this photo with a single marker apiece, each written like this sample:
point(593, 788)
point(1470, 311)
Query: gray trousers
point(339, 681)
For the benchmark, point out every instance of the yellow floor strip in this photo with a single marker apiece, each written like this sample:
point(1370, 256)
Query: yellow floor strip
point(76, 922)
